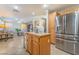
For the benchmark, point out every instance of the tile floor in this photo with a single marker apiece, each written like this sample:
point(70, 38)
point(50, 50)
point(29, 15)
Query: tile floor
point(15, 46)
point(55, 51)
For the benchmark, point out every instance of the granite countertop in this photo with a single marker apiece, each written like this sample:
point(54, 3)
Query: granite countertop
point(38, 34)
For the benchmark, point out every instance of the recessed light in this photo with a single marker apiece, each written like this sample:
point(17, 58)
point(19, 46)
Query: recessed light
point(45, 6)
point(15, 7)
point(33, 13)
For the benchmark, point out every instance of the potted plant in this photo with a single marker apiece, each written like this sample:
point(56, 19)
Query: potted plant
point(18, 30)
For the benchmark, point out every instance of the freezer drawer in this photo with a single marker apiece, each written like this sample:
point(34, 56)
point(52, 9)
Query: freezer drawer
point(70, 46)
point(77, 48)
point(60, 43)
point(70, 37)
point(66, 45)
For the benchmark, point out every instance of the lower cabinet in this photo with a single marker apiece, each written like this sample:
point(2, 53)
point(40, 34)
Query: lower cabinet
point(29, 44)
point(38, 45)
point(45, 45)
point(35, 48)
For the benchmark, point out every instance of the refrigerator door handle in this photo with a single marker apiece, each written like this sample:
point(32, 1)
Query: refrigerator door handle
point(64, 22)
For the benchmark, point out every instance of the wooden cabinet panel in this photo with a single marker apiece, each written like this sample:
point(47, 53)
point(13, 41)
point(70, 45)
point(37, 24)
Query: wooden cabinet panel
point(53, 36)
point(53, 39)
point(35, 48)
point(29, 44)
point(51, 23)
point(44, 46)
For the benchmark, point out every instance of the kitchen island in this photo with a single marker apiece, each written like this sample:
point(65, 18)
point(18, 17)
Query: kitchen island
point(38, 44)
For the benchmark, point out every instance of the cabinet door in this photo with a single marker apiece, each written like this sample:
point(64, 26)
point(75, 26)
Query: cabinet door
point(45, 45)
point(29, 44)
point(35, 48)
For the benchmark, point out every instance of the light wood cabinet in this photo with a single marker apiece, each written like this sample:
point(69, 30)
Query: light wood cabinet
point(38, 44)
point(45, 45)
point(35, 48)
point(29, 43)
point(68, 10)
point(51, 25)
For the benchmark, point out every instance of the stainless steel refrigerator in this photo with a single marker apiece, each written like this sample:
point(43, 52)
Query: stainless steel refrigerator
point(59, 32)
point(59, 24)
point(70, 36)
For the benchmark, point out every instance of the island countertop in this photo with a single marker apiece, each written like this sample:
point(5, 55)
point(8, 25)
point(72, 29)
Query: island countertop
point(38, 34)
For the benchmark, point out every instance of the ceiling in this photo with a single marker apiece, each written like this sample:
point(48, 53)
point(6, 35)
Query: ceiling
point(26, 10)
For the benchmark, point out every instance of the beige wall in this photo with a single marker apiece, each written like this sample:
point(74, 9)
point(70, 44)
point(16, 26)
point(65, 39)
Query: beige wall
point(5, 11)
